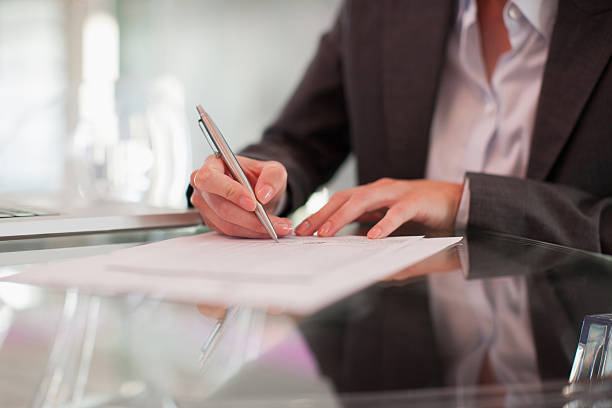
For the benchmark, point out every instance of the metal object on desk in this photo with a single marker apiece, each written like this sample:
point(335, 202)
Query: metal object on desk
point(591, 359)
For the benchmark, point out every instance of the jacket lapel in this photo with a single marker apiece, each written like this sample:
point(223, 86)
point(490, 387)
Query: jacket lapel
point(580, 49)
point(411, 70)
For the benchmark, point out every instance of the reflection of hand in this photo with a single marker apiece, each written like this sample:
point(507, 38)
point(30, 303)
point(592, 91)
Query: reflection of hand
point(445, 261)
point(214, 312)
point(227, 207)
point(432, 203)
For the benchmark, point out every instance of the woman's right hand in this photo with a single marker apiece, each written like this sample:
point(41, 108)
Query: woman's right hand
point(228, 208)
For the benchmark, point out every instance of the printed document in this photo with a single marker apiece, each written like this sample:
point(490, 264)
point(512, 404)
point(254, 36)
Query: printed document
point(297, 274)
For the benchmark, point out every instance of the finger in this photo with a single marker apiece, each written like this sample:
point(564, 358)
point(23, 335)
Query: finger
point(371, 216)
point(282, 226)
point(199, 203)
point(252, 168)
point(225, 227)
point(271, 182)
point(211, 178)
point(312, 223)
point(230, 212)
point(215, 163)
point(347, 213)
point(395, 217)
point(215, 312)
point(233, 214)
point(205, 212)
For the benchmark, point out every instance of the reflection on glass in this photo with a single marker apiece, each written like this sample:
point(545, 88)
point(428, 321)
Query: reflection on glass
point(606, 369)
point(577, 363)
point(590, 361)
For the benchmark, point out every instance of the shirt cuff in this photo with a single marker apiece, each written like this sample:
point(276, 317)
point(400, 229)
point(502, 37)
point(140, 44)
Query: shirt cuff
point(463, 213)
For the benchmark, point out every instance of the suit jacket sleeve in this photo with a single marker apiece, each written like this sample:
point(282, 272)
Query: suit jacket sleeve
point(540, 210)
point(311, 138)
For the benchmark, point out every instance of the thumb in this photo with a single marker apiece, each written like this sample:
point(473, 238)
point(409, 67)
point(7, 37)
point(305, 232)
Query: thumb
point(271, 181)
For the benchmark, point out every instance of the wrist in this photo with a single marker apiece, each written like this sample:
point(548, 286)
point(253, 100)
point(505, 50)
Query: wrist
point(463, 209)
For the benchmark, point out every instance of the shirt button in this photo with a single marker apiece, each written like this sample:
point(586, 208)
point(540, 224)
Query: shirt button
point(489, 108)
point(514, 12)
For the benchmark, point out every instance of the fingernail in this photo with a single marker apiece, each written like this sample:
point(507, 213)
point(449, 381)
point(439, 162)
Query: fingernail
point(195, 177)
point(304, 227)
point(374, 233)
point(265, 193)
point(284, 228)
point(324, 230)
point(246, 202)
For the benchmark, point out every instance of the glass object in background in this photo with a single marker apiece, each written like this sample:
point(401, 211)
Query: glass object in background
point(97, 131)
point(147, 159)
point(170, 143)
point(130, 144)
point(591, 359)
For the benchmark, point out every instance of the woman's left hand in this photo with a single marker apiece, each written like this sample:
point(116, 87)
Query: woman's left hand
point(431, 203)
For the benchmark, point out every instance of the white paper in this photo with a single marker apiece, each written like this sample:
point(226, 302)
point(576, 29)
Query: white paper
point(297, 274)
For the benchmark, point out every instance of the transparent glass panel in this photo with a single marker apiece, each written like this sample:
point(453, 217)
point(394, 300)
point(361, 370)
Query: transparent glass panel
point(592, 351)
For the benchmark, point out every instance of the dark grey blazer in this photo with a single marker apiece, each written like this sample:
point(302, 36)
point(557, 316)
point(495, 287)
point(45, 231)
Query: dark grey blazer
point(371, 90)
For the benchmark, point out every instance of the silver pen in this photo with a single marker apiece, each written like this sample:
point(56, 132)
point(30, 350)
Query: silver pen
point(221, 149)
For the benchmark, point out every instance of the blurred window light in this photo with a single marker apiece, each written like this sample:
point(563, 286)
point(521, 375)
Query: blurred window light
point(32, 94)
point(100, 71)
point(100, 48)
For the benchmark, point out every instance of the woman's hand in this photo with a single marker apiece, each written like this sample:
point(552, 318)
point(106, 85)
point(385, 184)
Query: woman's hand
point(227, 207)
point(432, 203)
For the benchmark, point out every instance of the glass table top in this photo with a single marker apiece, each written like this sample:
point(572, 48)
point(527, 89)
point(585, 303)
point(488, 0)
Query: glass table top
point(494, 321)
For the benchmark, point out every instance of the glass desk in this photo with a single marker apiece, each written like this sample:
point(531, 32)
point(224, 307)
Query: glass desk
point(494, 321)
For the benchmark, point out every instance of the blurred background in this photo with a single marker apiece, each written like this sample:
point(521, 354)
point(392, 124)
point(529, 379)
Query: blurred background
point(97, 97)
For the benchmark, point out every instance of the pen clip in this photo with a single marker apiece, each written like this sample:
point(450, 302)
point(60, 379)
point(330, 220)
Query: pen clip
point(209, 139)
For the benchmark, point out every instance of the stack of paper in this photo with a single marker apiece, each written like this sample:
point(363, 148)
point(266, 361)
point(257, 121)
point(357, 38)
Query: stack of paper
point(297, 274)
